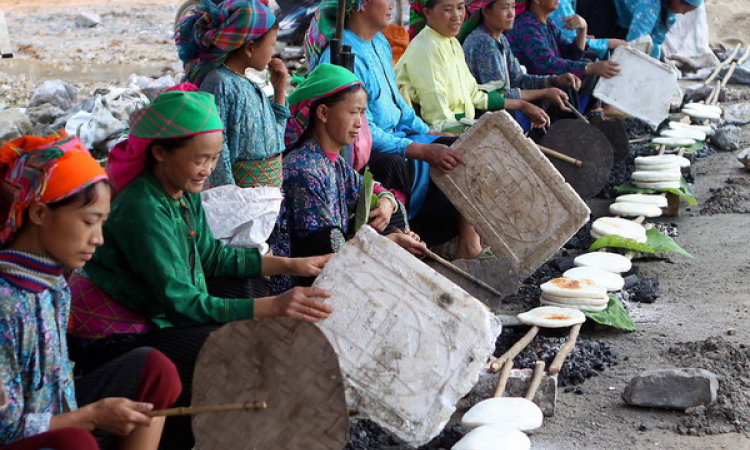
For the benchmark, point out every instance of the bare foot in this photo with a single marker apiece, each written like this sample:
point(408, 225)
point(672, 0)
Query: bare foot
point(469, 244)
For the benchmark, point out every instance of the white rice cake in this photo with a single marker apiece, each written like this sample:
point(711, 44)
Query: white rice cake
point(519, 203)
point(568, 287)
point(410, 342)
point(494, 437)
point(673, 142)
point(517, 412)
point(687, 134)
point(634, 209)
point(609, 226)
point(696, 114)
point(552, 317)
point(611, 281)
point(587, 308)
point(658, 184)
point(703, 107)
point(707, 129)
point(574, 302)
point(611, 262)
point(642, 162)
point(649, 176)
point(646, 199)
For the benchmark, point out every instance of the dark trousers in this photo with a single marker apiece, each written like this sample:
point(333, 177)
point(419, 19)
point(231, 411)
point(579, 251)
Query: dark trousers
point(437, 220)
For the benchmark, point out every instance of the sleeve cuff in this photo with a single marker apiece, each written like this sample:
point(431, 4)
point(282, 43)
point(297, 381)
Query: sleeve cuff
point(239, 309)
point(36, 423)
point(495, 101)
point(250, 263)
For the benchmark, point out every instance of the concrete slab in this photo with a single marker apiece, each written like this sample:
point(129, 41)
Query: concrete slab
point(410, 342)
point(520, 204)
point(644, 88)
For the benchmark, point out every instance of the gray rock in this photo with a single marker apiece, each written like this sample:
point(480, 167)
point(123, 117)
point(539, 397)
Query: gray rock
point(700, 92)
point(737, 114)
point(14, 123)
point(672, 388)
point(87, 20)
point(56, 92)
point(44, 114)
point(727, 138)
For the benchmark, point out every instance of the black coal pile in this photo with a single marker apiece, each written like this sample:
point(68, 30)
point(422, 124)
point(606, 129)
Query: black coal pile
point(527, 296)
point(367, 435)
point(589, 357)
point(645, 290)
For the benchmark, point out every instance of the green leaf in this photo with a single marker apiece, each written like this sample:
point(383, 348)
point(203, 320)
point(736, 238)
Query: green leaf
point(684, 191)
point(693, 148)
point(364, 202)
point(615, 315)
point(620, 242)
point(660, 242)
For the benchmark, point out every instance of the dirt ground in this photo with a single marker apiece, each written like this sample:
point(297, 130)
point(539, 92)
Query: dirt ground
point(700, 299)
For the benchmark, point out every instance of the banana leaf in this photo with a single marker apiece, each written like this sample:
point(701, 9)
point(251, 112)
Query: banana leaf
point(660, 243)
point(365, 201)
point(615, 315)
point(684, 191)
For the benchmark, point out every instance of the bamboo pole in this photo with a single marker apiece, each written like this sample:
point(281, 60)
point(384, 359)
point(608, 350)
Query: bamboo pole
point(189, 410)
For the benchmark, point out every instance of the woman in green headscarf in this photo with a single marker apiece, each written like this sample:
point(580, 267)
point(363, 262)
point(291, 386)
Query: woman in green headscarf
point(322, 189)
point(158, 249)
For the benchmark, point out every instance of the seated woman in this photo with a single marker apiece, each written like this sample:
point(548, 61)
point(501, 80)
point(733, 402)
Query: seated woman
point(404, 149)
point(566, 13)
point(55, 199)
point(433, 71)
point(159, 250)
point(539, 45)
point(322, 188)
point(651, 18)
point(489, 57)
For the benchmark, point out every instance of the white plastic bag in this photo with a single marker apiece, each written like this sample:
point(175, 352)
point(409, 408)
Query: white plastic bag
point(242, 217)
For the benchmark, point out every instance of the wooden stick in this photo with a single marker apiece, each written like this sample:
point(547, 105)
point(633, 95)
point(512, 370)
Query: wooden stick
point(443, 262)
point(188, 410)
point(713, 98)
point(565, 350)
point(503, 380)
point(536, 380)
point(515, 350)
point(560, 156)
point(732, 68)
point(575, 111)
point(718, 68)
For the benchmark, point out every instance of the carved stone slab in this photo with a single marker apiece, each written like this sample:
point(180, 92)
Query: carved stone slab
point(410, 342)
point(519, 203)
point(644, 88)
point(287, 363)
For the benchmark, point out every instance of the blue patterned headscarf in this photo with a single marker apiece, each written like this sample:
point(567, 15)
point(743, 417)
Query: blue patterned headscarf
point(205, 38)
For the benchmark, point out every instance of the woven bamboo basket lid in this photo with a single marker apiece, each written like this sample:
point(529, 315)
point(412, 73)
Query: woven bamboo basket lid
point(285, 362)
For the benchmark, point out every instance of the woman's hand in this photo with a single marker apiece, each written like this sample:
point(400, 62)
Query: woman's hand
point(380, 217)
point(118, 416)
point(299, 303)
point(574, 22)
point(556, 97)
point(279, 77)
point(605, 69)
point(538, 117)
point(307, 267)
point(614, 43)
point(409, 241)
point(566, 80)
